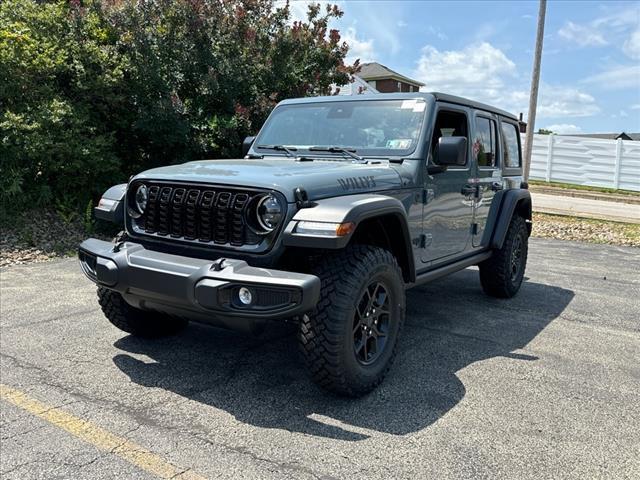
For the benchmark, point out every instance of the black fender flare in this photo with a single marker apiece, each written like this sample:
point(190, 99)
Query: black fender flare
point(111, 205)
point(350, 208)
point(517, 199)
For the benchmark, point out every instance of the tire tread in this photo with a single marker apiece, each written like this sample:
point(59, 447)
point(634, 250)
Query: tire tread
point(321, 333)
point(495, 272)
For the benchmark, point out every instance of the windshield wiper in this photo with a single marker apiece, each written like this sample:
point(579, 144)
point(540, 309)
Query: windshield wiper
point(281, 148)
point(347, 151)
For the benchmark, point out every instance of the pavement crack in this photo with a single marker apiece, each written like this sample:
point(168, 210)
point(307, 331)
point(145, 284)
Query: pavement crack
point(24, 432)
point(50, 320)
point(243, 451)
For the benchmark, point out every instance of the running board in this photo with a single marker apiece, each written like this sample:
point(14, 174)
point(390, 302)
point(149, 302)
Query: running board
point(451, 268)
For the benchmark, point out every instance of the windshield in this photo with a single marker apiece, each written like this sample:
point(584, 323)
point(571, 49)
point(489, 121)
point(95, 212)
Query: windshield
point(371, 127)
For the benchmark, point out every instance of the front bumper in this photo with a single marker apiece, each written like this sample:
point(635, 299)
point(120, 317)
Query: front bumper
point(196, 288)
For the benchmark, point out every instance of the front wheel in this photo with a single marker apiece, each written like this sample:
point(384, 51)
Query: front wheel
point(137, 322)
point(349, 340)
point(502, 274)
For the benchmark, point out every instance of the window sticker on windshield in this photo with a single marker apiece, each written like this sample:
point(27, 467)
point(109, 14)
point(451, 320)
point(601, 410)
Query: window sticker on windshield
point(419, 107)
point(399, 143)
point(406, 104)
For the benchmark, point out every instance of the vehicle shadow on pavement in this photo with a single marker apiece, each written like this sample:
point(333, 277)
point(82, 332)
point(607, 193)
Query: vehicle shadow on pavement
point(261, 381)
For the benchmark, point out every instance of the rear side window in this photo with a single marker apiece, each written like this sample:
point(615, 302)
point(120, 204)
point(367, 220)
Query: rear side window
point(510, 145)
point(485, 144)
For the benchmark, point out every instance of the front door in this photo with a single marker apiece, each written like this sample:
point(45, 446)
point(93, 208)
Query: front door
point(448, 212)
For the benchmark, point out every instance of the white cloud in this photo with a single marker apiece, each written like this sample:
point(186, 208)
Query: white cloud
point(631, 46)
point(620, 28)
point(635, 106)
point(401, 24)
point(583, 35)
point(559, 101)
point(377, 24)
point(623, 114)
point(483, 72)
point(564, 128)
point(618, 77)
point(479, 70)
point(358, 48)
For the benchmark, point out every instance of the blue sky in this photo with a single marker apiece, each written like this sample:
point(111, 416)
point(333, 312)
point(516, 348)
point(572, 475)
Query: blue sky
point(590, 80)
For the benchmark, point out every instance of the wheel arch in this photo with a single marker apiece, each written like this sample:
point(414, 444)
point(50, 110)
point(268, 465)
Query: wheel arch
point(374, 217)
point(375, 230)
point(514, 202)
point(111, 205)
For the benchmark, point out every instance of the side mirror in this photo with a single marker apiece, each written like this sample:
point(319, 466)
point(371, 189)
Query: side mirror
point(246, 145)
point(451, 151)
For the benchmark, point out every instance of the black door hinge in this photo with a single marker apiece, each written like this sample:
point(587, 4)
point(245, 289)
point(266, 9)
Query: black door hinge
point(428, 195)
point(420, 241)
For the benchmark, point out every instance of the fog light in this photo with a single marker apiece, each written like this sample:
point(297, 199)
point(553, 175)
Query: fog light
point(244, 295)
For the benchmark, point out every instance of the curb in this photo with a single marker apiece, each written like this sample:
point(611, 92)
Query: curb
point(566, 192)
point(588, 216)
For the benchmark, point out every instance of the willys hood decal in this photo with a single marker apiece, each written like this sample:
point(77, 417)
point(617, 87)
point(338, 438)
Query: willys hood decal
point(320, 178)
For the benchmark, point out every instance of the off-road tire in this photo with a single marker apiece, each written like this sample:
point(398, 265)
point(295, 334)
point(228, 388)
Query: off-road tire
point(134, 321)
point(326, 335)
point(496, 274)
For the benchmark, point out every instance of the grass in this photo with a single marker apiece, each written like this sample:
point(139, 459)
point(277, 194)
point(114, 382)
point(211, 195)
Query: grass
point(586, 188)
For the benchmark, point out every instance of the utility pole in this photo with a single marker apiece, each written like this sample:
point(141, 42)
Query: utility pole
point(533, 96)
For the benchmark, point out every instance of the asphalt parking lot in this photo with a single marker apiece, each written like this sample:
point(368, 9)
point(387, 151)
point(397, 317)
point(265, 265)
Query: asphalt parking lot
point(546, 385)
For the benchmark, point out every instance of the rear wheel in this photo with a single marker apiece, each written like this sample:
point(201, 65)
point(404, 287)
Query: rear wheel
point(135, 321)
point(502, 274)
point(349, 340)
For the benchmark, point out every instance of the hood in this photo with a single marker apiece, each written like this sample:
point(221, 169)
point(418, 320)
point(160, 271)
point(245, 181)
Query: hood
point(320, 178)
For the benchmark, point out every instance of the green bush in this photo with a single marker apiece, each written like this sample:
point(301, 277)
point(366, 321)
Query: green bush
point(92, 92)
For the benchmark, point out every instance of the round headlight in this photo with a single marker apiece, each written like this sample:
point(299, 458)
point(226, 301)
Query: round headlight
point(141, 198)
point(269, 213)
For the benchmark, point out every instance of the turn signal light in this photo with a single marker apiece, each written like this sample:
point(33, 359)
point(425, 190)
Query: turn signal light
point(325, 229)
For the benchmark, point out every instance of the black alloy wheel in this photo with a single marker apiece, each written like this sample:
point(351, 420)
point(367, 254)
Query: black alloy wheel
point(371, 323)
point(516, 257)
point(350, 338)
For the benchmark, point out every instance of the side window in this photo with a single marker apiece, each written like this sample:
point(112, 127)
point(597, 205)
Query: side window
point(448, 124)
point(485, 144)
point(510, 145)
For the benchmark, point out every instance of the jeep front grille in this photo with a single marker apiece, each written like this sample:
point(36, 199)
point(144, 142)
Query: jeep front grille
point(204, 214)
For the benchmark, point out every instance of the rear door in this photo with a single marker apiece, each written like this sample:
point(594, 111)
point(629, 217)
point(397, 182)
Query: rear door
point(484, 150)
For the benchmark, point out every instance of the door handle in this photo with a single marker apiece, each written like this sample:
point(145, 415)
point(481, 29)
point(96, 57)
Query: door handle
point(496, 186)
point(469, 189)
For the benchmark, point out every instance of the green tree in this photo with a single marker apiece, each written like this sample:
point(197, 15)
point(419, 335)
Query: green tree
point(93, 91)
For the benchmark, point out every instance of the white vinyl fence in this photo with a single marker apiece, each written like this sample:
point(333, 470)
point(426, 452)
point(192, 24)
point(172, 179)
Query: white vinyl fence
point(586, 161)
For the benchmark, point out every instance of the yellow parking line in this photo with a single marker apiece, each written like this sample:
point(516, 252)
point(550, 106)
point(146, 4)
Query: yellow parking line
point(101, 438)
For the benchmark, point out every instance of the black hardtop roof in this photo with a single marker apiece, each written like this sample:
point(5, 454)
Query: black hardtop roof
point(444, 97)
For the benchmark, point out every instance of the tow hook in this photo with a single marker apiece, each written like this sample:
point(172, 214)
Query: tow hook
point(218, 265)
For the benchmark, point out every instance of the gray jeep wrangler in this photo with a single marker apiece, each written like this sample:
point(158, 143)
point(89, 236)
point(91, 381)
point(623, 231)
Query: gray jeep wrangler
point(339, 205)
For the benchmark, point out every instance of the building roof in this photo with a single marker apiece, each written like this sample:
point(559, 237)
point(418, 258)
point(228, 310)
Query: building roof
point(357, 86)
point(608, 136)
point(377, 71)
